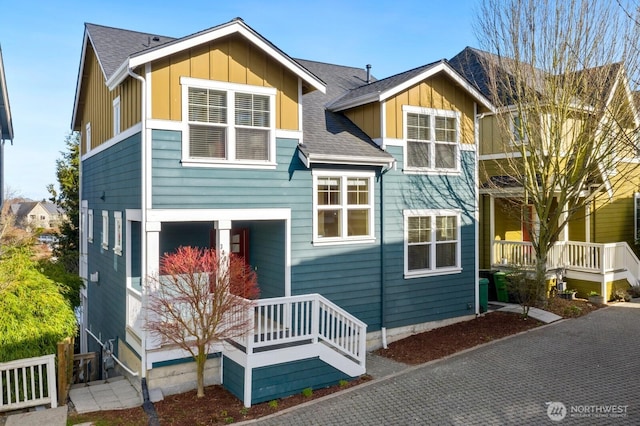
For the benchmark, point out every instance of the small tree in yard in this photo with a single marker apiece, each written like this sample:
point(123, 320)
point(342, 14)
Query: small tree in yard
point(200, 298)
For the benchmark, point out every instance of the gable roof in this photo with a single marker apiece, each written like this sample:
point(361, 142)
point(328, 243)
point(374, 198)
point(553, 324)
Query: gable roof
point(330, 137)
point(21, 210)
point(119, 50)
point(474, 65)
point(6, 124)
point(383, 89)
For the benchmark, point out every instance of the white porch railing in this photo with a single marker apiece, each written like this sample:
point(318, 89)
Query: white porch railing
point(28, 383)
point(134, 311)
point(588, 257)
point(308, 318)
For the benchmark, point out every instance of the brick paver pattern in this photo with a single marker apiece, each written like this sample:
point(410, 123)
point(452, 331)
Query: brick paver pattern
point(589, 361)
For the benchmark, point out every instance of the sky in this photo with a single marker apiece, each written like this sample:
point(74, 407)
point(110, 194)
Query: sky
point(41, 43)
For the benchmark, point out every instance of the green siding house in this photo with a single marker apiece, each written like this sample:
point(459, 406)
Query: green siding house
point(353, 199)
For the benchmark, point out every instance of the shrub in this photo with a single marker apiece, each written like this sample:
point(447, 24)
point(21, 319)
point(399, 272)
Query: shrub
point(273, 404)
point(307, 392)
point(34, 315)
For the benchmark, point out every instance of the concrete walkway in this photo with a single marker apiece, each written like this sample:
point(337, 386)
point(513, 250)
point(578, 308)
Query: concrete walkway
point(579, 371)
point(535, 313)
point(113, 394)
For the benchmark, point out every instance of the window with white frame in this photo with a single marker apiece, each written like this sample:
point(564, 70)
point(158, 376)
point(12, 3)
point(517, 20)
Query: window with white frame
point(105, 229)
point(343, 206)
point(432, 139)
point(432, 242)
point(117, 233)
point(228, 123)
point(87, 137)
point(518, 129)
point(116, 116)
point(90, 226)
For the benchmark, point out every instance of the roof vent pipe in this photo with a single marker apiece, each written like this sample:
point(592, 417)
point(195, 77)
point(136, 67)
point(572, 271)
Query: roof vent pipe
point(368, 73)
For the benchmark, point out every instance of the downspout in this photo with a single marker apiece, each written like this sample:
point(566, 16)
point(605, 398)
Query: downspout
point(383, 301)
point(476, 213)
point(143, 205)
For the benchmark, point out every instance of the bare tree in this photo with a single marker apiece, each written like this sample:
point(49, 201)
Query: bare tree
point(199, 299)
point(558, 72)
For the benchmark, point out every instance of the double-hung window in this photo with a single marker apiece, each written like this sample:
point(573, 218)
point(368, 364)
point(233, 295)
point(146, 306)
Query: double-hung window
point(343, 207)
point(432, 138)
point(228, 124)
point(432, 242)
point(519, 129)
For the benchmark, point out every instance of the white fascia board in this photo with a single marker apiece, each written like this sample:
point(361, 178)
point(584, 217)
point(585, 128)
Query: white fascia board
point(441, 67)
point(79, 81)
point(361, 100)
point(235, 27)
point(351, 160)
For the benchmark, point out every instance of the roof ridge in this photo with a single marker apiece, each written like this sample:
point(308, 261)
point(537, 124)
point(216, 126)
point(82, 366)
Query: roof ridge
point(127, 30)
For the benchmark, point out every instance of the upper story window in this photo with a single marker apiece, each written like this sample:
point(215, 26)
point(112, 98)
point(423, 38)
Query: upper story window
point(432, 242)
point(228, 124)
point(518, 129)
point(116, 116)
point(343, 207)
point(432, 139)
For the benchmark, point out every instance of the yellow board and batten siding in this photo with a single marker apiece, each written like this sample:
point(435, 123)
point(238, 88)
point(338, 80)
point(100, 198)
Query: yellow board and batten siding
point(96, 104)
point(230, 59)
point(437, 92)
point(367, 118)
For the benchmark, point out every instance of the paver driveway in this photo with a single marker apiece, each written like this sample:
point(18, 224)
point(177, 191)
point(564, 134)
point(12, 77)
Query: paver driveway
point(588, 364)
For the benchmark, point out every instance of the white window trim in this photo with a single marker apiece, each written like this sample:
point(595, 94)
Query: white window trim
point(90, 226)
point(117, 127)
point(342, 174)
point(87, 137)
point(512, 128)
point(230, 89)
point(117, 233)
point(433, 271)
point(105, 229)
point(431, 112)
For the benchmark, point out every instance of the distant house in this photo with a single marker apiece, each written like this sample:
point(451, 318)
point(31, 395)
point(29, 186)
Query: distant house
point(32, 215)
point(6, 125)
point(353, 198)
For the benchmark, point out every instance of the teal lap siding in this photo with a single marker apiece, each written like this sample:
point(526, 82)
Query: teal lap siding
point(111, 181)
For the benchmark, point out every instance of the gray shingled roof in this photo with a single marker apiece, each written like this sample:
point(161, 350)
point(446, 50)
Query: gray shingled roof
point(473, 64)
point(381, 86)
point(114, 45)
point(332, 134)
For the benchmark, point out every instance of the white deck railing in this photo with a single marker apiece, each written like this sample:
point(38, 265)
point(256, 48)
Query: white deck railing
point(134, 311)
point(308, 318)
point(28, 383)
point(588, 257)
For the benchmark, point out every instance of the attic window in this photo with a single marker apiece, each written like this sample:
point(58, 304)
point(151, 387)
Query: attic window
point(228, 124)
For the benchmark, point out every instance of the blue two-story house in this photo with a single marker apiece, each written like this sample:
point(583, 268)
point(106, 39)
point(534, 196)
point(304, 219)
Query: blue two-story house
point(353, 199)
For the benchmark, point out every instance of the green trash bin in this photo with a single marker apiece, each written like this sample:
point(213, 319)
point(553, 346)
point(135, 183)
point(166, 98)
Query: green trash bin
point(500, 278)
point(483, 289)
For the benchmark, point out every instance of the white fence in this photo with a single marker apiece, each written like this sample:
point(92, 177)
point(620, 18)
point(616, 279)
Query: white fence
point(27, 383)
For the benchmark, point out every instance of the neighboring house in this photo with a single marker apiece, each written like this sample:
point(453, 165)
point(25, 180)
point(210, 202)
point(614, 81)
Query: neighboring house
point(353, 199)
point(32, 215)
point(6, 125)
point(594, 250)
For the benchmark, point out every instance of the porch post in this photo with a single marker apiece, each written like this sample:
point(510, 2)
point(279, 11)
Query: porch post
point(564, 234)
point(223, 236)
point(492, 229)
point(152, 263)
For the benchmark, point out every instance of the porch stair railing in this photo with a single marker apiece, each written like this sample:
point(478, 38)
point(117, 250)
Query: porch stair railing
point(575, 255)
point(292, 328)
